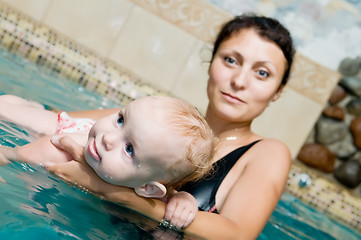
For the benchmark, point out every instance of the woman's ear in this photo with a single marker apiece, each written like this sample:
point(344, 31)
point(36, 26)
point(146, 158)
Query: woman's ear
point(151, 190)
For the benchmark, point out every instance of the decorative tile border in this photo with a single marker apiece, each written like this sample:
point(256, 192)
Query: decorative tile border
point(326, 196)
point(203, 20)
point(45, 47)
point(197, 17)
point(312, 80)
point(41, 45)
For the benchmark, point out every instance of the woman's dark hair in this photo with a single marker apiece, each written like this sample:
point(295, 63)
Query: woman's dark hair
point(267, 28)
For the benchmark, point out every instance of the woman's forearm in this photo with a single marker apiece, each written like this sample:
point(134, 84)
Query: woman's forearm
point(214, 226)
point(150, 207)
point(205, 225)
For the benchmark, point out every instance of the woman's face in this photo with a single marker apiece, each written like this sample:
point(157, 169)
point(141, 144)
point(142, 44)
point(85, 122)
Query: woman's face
point(244, 76)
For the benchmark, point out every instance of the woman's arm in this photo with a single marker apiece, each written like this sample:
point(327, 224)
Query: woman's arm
point(255, 194)
point(81, 174)
point(245, 211)
point(205, 225)
point(40, 151)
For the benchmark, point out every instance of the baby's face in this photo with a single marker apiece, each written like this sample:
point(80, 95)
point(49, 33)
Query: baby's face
point(132, 148)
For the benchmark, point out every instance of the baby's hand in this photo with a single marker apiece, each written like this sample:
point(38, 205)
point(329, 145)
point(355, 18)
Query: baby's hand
point(181, 209)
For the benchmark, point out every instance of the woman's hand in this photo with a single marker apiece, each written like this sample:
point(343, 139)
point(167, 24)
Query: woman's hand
point(76, 171)
point(70, 146)
point(81, 174)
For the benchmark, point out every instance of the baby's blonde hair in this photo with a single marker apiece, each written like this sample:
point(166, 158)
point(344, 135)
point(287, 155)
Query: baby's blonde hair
point(187, 121)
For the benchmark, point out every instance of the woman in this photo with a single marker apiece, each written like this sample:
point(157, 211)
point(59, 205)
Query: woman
point(250, 65)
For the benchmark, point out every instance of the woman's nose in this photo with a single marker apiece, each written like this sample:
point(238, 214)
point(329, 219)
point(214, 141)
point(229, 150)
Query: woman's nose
point(240, 79)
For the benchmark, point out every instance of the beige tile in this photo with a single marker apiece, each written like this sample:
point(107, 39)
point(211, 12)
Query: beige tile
point(89, 22)
point(289, 119)
point(198, 17)
point(33, 8)
point(192, 82)
point(312, 80)
point(153, 48)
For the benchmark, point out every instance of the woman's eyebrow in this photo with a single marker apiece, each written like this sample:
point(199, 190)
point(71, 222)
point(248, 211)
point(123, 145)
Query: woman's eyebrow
point(269, 64)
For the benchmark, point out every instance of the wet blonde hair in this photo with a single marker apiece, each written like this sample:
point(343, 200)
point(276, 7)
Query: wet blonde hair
point(199, 140)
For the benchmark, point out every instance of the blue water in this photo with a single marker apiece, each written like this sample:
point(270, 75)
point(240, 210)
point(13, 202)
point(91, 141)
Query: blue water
point(35, 203)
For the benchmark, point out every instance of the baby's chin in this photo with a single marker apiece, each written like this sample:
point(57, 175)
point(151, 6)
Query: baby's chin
point(109, 179)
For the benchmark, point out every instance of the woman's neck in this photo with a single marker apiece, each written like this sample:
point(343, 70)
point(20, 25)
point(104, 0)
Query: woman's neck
point(232, 135)
point(230, 131)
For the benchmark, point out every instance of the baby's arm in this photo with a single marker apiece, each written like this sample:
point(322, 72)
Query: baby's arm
point(41, 151)
point(181, 209)
point(29, 115)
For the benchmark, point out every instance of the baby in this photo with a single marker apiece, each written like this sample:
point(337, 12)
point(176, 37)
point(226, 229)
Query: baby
point(152, 144)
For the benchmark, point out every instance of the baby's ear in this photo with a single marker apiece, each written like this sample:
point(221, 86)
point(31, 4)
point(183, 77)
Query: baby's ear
point(151, 190)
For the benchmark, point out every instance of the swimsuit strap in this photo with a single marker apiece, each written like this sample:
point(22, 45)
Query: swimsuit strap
point(205, 189)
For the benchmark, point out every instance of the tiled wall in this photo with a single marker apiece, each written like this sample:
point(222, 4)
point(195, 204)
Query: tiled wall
point(167, 44)
point(128, 49)
point(326, 31)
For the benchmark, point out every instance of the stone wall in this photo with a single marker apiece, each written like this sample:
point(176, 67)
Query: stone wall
point(334, 147)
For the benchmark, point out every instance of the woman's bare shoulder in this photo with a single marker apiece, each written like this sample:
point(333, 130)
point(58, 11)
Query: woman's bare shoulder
point(272, 148)
point(271, 154)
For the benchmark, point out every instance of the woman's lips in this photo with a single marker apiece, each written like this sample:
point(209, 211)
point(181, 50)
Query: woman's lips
point(231, 98)
point(93, 150)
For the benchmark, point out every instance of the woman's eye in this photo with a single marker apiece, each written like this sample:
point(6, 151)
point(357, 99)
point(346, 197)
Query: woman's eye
point(263, 73)
point(129, 149)
point(120, 120)
point(230, 60)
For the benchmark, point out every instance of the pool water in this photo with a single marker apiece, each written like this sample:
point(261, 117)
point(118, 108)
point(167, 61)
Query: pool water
point(35, 203)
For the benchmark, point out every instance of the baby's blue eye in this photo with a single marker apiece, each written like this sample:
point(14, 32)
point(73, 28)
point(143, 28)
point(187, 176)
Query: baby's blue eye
point(120, 120)
point(129, 149)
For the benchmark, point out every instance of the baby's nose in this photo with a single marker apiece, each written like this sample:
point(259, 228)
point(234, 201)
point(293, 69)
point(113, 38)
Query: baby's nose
point(109, 139)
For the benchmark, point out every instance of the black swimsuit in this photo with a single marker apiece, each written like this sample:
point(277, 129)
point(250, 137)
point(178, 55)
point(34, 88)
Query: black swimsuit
point(205, 189)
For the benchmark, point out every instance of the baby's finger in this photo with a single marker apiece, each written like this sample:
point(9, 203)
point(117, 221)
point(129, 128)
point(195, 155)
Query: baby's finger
point(189, 219)
point(183, 219)
point(169, 210)
point(176, 218)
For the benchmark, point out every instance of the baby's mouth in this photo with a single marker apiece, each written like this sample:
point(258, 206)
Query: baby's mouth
point(92, 148)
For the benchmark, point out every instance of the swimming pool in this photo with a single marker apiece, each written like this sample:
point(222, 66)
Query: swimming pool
point(36, 203)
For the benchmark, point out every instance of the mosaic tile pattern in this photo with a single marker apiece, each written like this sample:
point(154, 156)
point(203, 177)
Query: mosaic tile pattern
point(45, 47)
point(326, 196)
